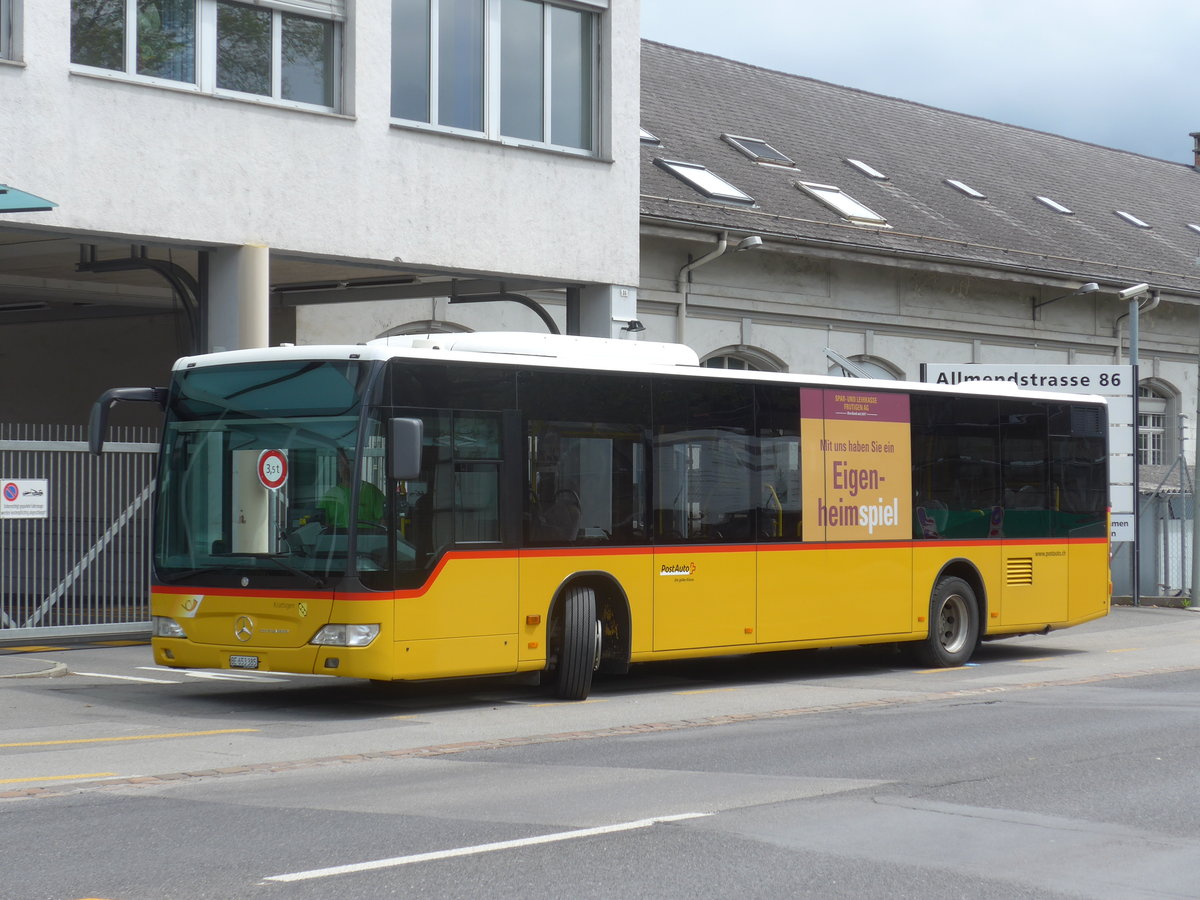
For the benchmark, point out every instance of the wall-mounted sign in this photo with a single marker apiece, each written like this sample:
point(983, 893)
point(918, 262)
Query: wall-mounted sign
point(24, 498)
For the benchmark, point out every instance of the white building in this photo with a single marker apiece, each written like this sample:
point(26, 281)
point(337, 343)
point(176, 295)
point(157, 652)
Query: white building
point(218, 166)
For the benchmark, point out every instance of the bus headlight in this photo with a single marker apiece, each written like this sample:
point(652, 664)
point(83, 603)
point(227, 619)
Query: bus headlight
point(346, 635)
point(162, 626)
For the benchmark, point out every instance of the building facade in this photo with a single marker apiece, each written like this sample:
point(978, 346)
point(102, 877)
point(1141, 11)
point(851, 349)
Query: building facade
point(217, 166)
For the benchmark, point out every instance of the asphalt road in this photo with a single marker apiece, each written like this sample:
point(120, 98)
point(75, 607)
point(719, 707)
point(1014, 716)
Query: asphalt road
point(1056, 766)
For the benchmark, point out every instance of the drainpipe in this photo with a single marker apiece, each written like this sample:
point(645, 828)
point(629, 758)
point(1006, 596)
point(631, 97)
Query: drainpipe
point(685, 277)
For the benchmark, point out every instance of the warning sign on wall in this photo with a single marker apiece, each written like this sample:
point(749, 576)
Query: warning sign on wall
point(24, 498)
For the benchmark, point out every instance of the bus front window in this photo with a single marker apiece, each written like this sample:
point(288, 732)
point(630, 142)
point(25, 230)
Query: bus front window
point(258, 473)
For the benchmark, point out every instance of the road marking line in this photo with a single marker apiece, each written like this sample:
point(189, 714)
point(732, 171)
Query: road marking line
point(127, 678)
point(58, 777)
point(571, 702)
point(1126, 650)
point(703, 691)
point(135, 737)
point(480, 848)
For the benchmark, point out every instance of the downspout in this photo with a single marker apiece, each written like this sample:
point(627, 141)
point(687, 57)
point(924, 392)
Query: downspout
point(684, 278)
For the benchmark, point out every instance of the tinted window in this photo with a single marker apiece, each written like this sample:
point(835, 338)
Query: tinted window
point(956, 467)
point(780, 500)
point(704, 461)
point(585, 436)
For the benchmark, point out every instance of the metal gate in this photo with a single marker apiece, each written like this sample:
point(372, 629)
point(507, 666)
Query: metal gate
point(81, 565)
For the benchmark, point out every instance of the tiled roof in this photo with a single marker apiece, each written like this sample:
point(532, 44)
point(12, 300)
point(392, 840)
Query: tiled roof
point(690, 99)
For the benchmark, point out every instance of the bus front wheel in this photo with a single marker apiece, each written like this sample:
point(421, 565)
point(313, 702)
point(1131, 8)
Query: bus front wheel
point(579, 646)
point(953, 625)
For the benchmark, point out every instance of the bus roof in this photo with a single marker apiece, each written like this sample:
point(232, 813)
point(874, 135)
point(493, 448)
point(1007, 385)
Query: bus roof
point(591, 353)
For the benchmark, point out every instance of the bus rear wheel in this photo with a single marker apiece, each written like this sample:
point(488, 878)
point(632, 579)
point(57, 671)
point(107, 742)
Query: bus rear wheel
point(953, 625)
point(579, 647)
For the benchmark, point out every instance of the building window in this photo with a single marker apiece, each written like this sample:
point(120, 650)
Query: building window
point(285, 51)
point(862, 366)
point(520, 70)
point(743, 358)
point(8, 28)
point(843, 204)
point(707, 182)
point(1154, 408)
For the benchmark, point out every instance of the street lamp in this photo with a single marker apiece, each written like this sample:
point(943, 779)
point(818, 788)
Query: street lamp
point(1089, 288)
point(1132, 294)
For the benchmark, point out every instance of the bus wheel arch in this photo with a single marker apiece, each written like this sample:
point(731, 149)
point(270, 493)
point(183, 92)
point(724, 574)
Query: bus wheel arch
point(598, 595)
point(957, 613)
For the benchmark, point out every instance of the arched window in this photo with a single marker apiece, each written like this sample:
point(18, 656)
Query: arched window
point(745, 359)
point(1158, 406)
point(426, 327)
point(872, 365)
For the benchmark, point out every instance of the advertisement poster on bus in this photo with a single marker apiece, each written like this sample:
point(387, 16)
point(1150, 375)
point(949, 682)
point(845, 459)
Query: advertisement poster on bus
point(857, 465)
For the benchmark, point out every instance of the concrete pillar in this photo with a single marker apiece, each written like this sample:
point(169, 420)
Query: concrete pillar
point(239, 287)
point(605, 309)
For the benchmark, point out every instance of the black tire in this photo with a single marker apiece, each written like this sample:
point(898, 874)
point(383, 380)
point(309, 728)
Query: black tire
point(579, 647)
point(953, 625)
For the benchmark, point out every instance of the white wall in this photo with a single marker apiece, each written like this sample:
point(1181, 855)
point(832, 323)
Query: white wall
point(163, 164)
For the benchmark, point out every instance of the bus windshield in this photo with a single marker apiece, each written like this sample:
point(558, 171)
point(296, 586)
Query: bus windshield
point(257, 474)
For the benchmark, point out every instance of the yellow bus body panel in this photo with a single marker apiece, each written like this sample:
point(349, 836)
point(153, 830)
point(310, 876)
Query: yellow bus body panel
point(820, 591)
point(488, 612)
point(704, 597)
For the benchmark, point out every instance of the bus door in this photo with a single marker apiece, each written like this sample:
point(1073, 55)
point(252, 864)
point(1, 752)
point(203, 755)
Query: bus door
point(454, 534)
point(1036, 565)
point(705, 593)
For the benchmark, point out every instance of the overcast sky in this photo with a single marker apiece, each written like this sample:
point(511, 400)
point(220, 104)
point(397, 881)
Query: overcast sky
point(1118, 73)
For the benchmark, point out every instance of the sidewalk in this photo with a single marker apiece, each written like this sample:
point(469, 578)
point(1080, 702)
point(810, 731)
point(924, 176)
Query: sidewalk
point(18, 665)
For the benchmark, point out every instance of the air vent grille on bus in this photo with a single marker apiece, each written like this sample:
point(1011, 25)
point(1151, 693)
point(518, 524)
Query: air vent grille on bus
point(1019, 571)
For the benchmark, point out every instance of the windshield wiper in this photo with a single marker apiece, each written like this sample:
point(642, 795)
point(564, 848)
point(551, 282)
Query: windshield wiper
point(278, 559)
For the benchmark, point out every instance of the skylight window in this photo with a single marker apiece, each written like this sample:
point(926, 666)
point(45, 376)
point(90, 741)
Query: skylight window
point(843, 204)
point(648, 138)
point(758, 150)
point(1054, 205)
point(1131, 219)
point(965, 189)
point(707, 183)
point(869, 171)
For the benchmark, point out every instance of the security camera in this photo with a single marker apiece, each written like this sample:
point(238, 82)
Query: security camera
point(1130, 292)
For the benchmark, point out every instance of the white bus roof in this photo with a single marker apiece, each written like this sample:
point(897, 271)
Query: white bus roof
point(576, 352)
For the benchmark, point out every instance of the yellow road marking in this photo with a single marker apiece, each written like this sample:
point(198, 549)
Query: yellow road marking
point(703, 691)
point(58, 777)
point(136, 737)
point(32, 648)
point(1127, 650)
point(572, 702)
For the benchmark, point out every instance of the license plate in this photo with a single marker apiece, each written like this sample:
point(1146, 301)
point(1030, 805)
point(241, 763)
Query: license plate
point(243, 662)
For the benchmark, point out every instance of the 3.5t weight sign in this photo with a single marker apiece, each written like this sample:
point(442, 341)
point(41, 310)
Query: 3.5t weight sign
point(272, 469)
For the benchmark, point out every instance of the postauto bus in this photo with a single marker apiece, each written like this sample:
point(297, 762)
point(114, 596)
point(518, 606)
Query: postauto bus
point(471, 504)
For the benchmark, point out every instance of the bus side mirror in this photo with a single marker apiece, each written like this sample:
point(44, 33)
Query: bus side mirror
point(98, 424)
point(404, 448)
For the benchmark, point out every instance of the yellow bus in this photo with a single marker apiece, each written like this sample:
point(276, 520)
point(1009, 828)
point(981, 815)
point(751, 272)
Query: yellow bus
point(478, 504)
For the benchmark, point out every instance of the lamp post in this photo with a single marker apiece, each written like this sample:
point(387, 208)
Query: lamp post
point(1132, 294)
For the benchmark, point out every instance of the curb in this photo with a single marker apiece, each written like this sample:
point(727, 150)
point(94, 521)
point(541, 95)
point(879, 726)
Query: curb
point(34, 668)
